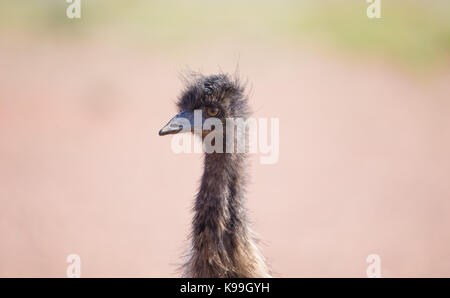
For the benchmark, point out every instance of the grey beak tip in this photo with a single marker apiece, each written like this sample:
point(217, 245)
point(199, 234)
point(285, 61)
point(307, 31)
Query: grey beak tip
point(176, 125)
point(163, 132)
point(168, 130)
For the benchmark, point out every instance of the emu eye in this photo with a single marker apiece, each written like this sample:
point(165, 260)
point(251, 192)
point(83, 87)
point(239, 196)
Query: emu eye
point(212, 111)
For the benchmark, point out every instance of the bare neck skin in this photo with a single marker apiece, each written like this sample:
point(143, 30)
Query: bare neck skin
point(222, 243)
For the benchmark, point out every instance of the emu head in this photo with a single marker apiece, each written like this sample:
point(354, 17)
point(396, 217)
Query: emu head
point(215, 97)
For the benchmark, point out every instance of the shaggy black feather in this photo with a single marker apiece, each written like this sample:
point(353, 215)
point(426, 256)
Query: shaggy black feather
point(223, 244)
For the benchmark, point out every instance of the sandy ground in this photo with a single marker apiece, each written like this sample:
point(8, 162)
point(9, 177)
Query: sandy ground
point(364, 161)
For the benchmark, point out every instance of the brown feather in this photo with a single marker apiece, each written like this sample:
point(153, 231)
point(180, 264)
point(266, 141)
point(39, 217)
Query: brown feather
point(223, 245)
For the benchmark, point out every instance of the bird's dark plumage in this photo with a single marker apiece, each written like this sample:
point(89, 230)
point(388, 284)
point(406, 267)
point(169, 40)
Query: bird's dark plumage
point(223, 244)
point(201, 91)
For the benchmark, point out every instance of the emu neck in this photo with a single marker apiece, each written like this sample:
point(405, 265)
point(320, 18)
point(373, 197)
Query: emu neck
point(219, 225)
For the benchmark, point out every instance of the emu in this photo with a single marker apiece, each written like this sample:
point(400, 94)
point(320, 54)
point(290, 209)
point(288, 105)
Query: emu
point(222, 242)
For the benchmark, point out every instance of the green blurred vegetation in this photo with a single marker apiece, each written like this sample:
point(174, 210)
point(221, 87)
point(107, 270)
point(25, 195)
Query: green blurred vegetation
point(415, 32)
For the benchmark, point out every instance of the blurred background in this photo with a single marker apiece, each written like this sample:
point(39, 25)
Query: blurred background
point(364, 108)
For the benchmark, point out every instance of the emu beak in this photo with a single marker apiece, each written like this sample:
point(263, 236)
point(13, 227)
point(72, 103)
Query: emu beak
point(181, 122)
